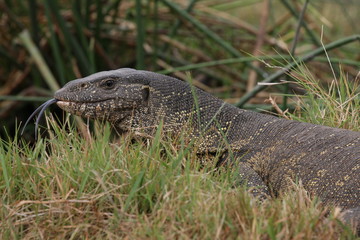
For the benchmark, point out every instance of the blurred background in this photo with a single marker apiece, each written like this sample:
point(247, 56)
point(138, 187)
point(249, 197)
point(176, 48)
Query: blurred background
point(226, 45)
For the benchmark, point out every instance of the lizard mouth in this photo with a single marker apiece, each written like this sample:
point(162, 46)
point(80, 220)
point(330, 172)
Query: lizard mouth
point(95, 110)
point(65, 105)
point(72, 107)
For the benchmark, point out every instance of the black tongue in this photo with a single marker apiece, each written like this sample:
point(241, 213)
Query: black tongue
point(41, 111)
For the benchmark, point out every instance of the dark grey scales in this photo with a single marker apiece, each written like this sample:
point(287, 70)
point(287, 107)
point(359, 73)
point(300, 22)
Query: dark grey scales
point(271, 152)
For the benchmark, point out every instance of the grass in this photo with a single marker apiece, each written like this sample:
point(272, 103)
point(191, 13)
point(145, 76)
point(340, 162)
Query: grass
point(336, 105)
point(66, 187)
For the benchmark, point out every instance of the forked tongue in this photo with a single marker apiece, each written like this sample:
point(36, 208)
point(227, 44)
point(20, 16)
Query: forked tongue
point(41, 111)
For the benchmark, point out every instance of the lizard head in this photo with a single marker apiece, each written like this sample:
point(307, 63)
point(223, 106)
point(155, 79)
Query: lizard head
point(128, 98)
point(136, 100)
point(110, 95)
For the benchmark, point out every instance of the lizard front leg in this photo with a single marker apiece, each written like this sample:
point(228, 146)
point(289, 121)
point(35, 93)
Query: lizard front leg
point(250, 178)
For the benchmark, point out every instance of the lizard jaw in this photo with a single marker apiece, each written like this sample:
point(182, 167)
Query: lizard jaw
point(94, 110)
point(103, 110)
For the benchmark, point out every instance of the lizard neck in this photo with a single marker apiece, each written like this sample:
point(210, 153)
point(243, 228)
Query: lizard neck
point(213, 123)
point(210, 120)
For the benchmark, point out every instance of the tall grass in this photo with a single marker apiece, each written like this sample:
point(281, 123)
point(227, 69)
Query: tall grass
point(335, 104)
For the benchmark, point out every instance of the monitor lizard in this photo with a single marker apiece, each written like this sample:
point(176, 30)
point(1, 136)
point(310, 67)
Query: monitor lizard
point(270, 152)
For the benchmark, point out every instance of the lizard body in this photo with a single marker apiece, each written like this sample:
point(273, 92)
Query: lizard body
point(270, 152)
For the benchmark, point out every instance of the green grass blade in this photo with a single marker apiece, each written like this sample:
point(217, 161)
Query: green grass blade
point(39, 60)
point(70, 38)
point(135, 187)
point(311, 34)
point(88, 47)
point(177, 24)
point(55, 46)
point(4, 166)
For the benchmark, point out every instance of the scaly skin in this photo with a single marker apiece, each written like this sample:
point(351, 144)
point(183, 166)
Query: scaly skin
point(270, 152)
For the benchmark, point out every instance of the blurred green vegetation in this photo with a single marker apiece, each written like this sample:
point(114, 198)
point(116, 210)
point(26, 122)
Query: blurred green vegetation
point(44, 44)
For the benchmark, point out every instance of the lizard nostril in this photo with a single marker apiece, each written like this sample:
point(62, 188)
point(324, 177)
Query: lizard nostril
point(83, 85)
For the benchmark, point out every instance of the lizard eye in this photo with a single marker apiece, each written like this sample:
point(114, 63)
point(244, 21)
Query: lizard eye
point(108, 84)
